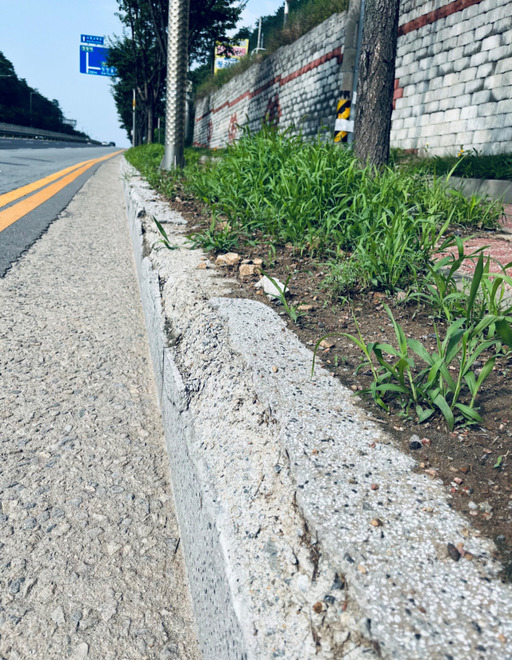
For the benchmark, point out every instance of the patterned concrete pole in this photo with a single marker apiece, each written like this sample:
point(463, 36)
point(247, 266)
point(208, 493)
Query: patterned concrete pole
point(177, 65)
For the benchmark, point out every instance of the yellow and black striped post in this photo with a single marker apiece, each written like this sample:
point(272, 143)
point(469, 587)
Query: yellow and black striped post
point(343, 112)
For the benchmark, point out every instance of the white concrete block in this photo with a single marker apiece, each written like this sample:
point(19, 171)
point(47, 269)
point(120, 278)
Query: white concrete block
point(449, 140)
point(462, 101)
point(496, 121)
point(483, 31)
point(482, 136)
point(475, 85)
point(501, 93)
point(450, 79)
point(464, 139)
point(504, 65)
point(433, 106)
point(500, 53)
point(481, 97)
point(503, 24)
point(468, 74)
point(467, 36)
point(491, 43)
point(479, 58)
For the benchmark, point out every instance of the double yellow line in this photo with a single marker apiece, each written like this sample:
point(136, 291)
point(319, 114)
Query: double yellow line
point(62, 179)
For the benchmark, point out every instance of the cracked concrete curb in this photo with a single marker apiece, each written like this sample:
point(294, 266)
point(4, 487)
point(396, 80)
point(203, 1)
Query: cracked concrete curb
point(291, 551)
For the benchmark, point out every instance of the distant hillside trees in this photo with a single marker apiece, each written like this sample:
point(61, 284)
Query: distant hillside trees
point(23, 105)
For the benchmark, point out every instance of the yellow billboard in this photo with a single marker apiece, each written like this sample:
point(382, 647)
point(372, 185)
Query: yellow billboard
point(225, 58)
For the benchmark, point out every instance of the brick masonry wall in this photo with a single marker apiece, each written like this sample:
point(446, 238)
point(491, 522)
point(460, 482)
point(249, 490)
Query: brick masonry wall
point(453, 82)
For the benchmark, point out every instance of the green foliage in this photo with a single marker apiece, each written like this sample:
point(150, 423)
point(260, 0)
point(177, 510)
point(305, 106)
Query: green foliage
point(315, 195)
point(17, 98)
point(470, 165)
point(165, 239)
point(219, 236)
point(445, 378)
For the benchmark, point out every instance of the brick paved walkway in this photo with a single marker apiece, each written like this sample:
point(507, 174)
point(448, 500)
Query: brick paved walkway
point(498, 245)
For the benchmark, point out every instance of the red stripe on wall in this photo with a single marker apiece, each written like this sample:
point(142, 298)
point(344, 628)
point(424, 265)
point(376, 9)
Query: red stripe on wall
point(336, 53)
point(436, 15)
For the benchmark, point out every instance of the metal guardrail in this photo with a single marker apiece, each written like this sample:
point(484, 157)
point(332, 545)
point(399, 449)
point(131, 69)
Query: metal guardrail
point(12, 130)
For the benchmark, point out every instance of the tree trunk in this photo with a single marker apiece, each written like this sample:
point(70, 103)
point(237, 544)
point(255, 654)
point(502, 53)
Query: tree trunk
point(376, 82)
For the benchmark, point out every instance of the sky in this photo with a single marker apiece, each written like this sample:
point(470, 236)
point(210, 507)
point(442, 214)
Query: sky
point(42, 40)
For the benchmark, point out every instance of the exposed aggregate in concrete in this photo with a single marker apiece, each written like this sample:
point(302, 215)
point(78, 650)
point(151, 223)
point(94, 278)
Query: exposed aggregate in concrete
point(90, 564)
point(286, 466)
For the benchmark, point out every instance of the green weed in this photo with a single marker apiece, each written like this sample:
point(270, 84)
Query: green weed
point(292, 311)
point(165, 239)
point(443, 377)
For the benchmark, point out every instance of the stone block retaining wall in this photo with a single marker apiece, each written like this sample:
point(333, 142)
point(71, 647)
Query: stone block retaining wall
point(454, 76)
point(296, 85)
point(453, 82)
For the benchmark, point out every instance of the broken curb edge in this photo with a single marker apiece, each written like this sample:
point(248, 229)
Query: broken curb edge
point(306, 533)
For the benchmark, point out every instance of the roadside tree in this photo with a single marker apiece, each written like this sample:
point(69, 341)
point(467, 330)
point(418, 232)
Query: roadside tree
point(376, 81)
point(140, 55)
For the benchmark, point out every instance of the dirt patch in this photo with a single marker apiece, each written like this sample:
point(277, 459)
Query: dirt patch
point(474, 463)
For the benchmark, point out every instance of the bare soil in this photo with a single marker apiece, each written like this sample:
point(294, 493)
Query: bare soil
point(474, 463)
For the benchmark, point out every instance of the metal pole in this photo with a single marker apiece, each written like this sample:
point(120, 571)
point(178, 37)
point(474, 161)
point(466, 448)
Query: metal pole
point(31, 95)
point(356, 67)
point(259, 37)
point(133, 118)
point(285, 19)
point(177, 66)
point(344, 126)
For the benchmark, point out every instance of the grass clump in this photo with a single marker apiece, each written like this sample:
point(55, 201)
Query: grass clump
point(315, 196)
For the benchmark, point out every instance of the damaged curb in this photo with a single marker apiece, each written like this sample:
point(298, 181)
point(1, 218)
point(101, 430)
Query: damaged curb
point(290, 549)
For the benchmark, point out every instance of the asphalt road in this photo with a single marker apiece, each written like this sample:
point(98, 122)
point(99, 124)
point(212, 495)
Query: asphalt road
point(23, 162)
point(90, 547)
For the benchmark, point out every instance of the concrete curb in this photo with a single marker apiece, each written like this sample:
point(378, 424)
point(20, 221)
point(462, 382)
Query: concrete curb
point(495, 188)
point(306, 533)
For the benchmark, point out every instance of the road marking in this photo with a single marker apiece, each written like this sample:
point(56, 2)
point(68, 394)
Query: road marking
point(13, 195)
point(13, 213)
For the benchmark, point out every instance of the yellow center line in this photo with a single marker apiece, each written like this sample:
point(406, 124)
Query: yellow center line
point(13, 195)
point(17, 211)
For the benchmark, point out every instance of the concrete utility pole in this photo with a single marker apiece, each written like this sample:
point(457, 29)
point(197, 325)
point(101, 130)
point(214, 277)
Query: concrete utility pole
point(177, 66)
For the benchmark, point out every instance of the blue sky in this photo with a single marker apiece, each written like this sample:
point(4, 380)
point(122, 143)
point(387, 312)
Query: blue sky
point(42, 37)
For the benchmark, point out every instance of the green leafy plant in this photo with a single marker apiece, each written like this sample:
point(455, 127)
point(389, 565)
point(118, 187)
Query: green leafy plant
point(165, 239)
point(384, 226)
point(219, 236)
point(293, 312)
point(442, 379)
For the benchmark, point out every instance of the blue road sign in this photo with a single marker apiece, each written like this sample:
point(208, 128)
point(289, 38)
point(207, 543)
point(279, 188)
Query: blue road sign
point(93, 60)
point(90, 39)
